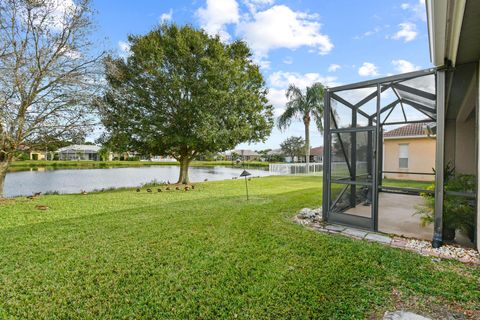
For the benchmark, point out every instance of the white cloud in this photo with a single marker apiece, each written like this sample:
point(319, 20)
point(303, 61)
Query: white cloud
point(288, 60)
point(333, 67)
point(166, 17)
point(254, 5)
point(278, 100)
point(407, 32)
point(124, 49)
point(369, 33)
point(418, 9)
point(368, 69)
point(281, 27)
point(72, 54)
point(404, 66)
point(216, 15)
point(281, 79)
point(50, 14)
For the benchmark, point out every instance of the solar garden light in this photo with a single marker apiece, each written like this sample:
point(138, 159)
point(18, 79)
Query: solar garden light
point(245, 174)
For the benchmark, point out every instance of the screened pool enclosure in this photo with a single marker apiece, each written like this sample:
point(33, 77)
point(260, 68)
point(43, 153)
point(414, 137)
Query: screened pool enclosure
point(355, 118)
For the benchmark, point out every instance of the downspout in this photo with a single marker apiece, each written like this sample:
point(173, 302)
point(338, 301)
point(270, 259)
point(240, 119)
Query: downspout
point(439, 160)
point(477, 111)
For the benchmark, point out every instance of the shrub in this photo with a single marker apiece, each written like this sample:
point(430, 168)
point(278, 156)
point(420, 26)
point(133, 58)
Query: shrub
point(458, 210)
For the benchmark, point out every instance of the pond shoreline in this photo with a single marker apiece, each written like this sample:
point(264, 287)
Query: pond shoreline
point(57, 164)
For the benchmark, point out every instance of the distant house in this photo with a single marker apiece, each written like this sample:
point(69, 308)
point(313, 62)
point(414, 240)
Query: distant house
point(316, 155)
point(275, 155)
point(79, 152)
point(37, 155)
point(33, 154)
point(242, 154)
point(408, 151)
point(161, 159)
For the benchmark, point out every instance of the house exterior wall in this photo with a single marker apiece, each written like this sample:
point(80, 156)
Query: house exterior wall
point(460, 145)
point(421, 158)
point(450, 140)
point(37, 155)
point(465, 147)
point(78, 156)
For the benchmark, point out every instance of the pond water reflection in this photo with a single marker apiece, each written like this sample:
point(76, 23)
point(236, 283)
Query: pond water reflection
point(75, 180)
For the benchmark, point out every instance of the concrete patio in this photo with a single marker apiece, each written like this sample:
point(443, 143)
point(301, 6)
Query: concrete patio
point(396, 215)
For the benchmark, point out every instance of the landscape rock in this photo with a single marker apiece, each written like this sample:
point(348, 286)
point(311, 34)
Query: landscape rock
point(306, 213)
point(313, 219)
point(403, 315)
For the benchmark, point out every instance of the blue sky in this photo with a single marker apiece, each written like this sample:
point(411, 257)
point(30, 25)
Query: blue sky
point(294, 41)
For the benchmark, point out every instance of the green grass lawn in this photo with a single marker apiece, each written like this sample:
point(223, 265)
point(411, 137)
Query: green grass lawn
point(21, 165)
point(208, 254)
point(406, 183)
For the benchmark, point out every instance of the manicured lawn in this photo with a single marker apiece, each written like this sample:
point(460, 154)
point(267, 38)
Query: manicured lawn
point(406, 183)
point(19, 165)
point(208, 254)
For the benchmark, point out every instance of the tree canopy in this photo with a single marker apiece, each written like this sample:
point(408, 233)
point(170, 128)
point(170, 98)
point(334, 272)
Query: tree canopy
point(305, 106)
point(182, 93)
point(293, 147)
point(47, 74)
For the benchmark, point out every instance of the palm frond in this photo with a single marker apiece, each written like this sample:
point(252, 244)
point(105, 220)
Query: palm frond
point(318, 118)
point(315, 97)
point(294, 107)
point(286, 118)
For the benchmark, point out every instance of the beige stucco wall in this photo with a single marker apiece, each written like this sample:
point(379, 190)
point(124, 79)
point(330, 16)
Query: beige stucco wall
point(40, 155)
point(465, 147)
point(460, 145)
point(421, 158)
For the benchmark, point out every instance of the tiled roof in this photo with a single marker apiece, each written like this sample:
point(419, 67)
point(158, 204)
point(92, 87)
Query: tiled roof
point(275, 152)
point(409, 130)
point(80, 147)
point(242, 152)
point(317, 151)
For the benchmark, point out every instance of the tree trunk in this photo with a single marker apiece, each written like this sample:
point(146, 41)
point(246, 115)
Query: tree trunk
point(307, 144)
point(183, 178)
point(3, 173)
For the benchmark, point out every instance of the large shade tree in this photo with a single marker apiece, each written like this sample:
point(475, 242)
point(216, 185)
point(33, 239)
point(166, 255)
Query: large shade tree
point(46, 73)
point(181, 93)
point(293, 147)
point(305, 106)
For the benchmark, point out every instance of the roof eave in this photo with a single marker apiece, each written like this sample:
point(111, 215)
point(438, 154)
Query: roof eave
point(406, 137)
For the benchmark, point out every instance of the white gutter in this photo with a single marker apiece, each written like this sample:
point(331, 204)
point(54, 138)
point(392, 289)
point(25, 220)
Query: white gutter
point(445, 19)
point(437, 21)
point(456, 10)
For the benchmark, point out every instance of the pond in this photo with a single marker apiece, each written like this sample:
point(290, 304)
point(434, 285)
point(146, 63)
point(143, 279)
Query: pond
point(43, 180)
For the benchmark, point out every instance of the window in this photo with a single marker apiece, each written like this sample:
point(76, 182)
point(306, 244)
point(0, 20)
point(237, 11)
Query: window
point(403, 156)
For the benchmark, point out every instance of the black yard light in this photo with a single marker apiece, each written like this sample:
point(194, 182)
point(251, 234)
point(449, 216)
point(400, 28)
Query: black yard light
point(245, 174)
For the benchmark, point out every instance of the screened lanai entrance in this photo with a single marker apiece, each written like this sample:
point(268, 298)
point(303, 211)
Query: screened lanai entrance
point(355, 118)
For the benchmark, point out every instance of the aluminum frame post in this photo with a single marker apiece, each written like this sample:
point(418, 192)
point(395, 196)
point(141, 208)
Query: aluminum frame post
point(376, 162)
point(439, 161)
point(380, 158)
point(353, 160)
point(326, 156)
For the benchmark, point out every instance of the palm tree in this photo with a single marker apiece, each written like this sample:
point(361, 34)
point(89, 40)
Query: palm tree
point(304, 106)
